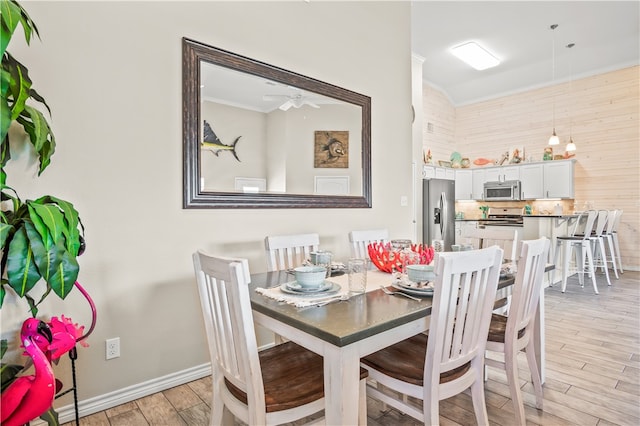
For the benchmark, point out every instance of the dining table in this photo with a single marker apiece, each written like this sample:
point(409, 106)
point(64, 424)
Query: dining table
point(346, 330)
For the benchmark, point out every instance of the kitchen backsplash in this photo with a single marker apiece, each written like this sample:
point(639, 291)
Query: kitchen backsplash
point(471, 209)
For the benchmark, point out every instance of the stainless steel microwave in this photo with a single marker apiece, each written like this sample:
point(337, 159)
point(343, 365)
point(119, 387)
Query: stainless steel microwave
point(508, 190)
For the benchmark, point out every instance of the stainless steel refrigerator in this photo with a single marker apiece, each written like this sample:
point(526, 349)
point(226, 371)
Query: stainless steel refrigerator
point(438, 211)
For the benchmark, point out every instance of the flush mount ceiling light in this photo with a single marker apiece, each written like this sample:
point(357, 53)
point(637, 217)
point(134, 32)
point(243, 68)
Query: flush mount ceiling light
point(554, 139)
point(475, 55)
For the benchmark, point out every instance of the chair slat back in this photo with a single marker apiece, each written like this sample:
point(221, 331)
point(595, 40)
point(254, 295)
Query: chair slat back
point(589, 223)
point(288, 251)
point(601, 222)
point(465, 289)
point(617, 221)
point(359, 241)
point(223, 286)
point(611, 221)
point(528, 285)
point(506, 238)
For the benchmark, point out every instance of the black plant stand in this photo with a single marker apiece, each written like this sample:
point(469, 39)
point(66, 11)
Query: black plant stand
point(73, 355)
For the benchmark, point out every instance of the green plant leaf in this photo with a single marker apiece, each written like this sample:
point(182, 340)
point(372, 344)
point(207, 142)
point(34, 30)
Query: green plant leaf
point(5, 230)
point(5, 119)
point(8, 373)
point(51, 417)
point(3, 292)
point(41, 254)
point(64, 271)
point(22, 271)
point(19, 84)
point(11, 15)
point(72, 221)
point(40, 134)
point(51, 220)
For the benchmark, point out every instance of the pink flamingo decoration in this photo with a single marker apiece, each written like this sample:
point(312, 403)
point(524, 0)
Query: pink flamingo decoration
point(30, 396)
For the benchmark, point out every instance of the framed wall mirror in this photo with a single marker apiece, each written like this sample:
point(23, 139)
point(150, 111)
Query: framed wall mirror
point(259, 136)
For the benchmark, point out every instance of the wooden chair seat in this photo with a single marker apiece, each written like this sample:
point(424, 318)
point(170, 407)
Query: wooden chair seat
point(498, 327)
point(284, 385)
point(405, 361)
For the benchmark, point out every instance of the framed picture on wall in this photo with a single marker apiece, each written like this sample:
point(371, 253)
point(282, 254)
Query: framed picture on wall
point(331, 149)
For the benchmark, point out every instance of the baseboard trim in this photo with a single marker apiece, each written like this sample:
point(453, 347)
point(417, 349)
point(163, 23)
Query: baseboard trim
point(131, 393)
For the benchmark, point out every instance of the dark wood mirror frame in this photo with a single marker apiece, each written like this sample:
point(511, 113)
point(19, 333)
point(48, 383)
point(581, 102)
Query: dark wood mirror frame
point(193, 54)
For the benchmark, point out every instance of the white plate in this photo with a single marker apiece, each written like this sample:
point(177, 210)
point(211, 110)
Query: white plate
point(294, 288)
point(427, 292)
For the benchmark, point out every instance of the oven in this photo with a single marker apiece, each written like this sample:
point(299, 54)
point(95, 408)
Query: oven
point(503, 216)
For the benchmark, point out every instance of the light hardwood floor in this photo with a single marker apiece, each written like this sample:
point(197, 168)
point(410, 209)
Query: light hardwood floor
point(593, 372)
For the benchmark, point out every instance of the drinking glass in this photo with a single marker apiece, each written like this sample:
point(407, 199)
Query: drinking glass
point(357, 271)
point(438, 245)
point(323, 258)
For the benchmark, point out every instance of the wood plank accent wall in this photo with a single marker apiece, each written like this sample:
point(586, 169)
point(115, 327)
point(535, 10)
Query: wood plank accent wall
point(601, 112)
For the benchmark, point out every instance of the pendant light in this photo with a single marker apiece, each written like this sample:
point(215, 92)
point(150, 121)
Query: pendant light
point(571, 146)
point(554, 140)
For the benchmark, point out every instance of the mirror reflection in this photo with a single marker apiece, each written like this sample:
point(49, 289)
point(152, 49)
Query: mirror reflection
point(259, 136)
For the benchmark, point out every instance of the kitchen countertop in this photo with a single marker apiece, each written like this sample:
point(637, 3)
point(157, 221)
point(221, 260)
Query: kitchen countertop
point(550, 215)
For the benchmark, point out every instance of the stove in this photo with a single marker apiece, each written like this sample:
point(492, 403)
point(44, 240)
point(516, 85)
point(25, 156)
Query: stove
point(503, 216)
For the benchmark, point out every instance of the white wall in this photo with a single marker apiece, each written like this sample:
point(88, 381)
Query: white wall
point(111, 73)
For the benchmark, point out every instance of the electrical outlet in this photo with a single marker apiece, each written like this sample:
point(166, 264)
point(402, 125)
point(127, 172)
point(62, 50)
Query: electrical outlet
point(113, 348)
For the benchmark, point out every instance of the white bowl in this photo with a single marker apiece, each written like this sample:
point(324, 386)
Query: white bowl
point(310, 276)
point(420, 273)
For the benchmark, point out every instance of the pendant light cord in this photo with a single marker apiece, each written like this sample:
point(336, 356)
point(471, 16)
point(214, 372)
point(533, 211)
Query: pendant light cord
point(553, 72)
point(569, 46)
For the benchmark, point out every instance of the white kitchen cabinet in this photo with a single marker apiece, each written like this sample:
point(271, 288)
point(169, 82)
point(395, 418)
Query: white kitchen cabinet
point(550, 179)
point(479, 178)
point(502, 173)
point(464, 184)
point(532, 181)
point(558, 179)
point(435, 172)
point(462, 228)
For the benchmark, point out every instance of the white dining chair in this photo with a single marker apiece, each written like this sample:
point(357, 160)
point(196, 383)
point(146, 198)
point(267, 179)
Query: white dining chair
point(282, 384)
point(359, 240)
point(450, 359)
point(508, 335)
point(506, 237)
point(578, 243)
point(288, 251)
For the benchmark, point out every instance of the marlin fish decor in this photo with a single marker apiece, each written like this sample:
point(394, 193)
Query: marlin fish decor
point(215, 145)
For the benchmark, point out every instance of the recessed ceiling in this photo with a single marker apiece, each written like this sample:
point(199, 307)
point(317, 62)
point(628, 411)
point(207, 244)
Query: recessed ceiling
point(606, 36)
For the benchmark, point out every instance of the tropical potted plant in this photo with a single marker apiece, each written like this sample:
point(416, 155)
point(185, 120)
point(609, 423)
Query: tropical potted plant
point(40, 238)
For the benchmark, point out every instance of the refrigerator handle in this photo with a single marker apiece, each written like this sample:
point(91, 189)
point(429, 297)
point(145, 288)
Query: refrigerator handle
point(444, 215)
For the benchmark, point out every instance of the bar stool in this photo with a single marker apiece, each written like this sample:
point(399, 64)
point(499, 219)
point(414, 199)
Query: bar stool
point(597, 244)
point(608, 240)
point(583, 251)
point(612, 237)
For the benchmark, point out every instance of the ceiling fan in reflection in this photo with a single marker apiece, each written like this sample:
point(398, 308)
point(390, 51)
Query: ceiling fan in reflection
point(295, 101)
